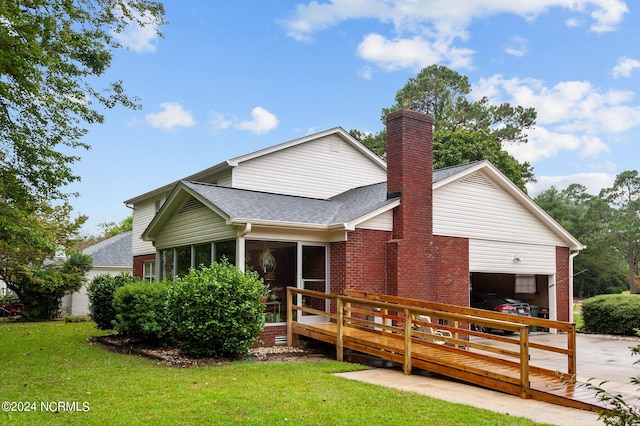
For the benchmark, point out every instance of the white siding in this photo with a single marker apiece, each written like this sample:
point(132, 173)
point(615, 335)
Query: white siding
point(197, 226)
point(498, 257)
point(143, 214)
point(476, 207)
point(223, 179)
point(382, 222)
point(321, 168)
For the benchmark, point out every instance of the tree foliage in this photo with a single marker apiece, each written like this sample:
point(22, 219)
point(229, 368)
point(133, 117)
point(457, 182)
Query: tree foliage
point(52, 54)
point(624, 197)
point(42, 288)
point(600, 268)
point(465, 130)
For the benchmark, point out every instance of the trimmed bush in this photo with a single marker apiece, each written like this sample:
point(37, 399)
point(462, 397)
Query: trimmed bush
point(216, 311)
point(612, 314)
point(100, 292)
point(140, 311)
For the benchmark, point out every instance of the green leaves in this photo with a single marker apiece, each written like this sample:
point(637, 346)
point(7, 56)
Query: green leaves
point(465, 130)
point(216, 311)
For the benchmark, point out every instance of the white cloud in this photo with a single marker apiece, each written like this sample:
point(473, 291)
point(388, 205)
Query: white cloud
point(172, 115)
point(625, 67)
point(517, 46)
point(137, 37)
point(262, 121)
point(219, 122)
point(573, 116)
point(594, 182)
point(413, 53)
point(435, 25)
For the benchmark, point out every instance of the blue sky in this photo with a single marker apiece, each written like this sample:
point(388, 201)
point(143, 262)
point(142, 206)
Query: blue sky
point(229, 78)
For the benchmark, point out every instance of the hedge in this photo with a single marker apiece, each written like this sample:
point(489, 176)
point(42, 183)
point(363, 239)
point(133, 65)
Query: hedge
point(612, 314)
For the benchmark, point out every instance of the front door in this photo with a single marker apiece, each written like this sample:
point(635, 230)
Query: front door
point(313, 275)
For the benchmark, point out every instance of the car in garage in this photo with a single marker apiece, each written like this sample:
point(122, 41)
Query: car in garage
point(497, 303)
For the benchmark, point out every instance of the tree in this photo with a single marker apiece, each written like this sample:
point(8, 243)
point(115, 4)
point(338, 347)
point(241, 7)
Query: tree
point(443, 94)
point(624, 196)
point(111, 229)
point(587, 217)
point(52, 53)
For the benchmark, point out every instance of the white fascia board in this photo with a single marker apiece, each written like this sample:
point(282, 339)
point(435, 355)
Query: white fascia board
point(281, 224)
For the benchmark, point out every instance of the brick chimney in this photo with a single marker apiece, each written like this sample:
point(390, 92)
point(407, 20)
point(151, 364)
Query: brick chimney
point(412, 266)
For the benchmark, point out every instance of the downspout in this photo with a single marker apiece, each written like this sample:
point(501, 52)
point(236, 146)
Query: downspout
point(571, 257)
point(240, 247)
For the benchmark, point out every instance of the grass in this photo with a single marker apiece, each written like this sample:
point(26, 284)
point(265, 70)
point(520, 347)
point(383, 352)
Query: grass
point(51, 362)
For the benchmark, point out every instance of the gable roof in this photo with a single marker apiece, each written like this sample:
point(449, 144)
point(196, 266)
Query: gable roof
point(115, 251)
point(205, 174)
point(241, 206)
point(343, 211)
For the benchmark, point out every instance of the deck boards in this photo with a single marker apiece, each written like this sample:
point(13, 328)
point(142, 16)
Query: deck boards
point(470, 366)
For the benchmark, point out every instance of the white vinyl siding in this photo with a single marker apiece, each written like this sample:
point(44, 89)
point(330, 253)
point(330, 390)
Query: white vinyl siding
point(224, 179)
point(194, 227)
point(498, 257)
point(382, 222)
point(143, 214)
point(318, 169)
point(476, 207)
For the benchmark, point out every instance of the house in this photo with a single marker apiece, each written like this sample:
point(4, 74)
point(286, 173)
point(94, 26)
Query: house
point(322, 212)
point(112, 257)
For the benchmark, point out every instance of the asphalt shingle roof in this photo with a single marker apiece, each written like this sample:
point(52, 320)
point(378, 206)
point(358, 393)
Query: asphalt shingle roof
point(342, 208)
point(115, 251)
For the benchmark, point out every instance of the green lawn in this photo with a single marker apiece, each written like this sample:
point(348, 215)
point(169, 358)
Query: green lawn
point(47, 363)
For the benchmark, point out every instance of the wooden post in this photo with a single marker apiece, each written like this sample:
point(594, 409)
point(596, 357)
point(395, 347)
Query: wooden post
point(571, 346)
point(524, 362)
point(289, 317)
point(407, 342)
point(339, 329)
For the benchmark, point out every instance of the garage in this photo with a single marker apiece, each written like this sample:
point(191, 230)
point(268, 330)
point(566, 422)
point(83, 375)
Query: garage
point(516, 271)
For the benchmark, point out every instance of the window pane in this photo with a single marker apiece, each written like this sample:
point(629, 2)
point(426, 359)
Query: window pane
point(276, 263)
point(166, 264)
point(226, 249)
point(202, 255)
point(184, 260)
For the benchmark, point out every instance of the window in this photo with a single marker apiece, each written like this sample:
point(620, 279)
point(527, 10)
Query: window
point(183, 260)
point(178, 261)
point(149, 271)
point(202, 255)
point(525, 286)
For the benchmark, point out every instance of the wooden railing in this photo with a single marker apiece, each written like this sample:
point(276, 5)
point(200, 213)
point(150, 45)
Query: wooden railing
point(477, 316)
point(402, 321)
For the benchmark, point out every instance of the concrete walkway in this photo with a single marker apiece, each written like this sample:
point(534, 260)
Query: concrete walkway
point(599, 357)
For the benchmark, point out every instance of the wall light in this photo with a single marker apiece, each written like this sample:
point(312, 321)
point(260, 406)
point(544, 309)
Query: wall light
point(517, 258)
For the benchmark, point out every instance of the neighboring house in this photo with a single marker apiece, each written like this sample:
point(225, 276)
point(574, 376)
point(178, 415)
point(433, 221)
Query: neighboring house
point(112, 257)
point(323, 212)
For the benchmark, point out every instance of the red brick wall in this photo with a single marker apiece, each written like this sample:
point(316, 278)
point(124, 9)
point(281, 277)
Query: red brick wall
point(138, 264)
point(360, 262)
point(410, 173)
point(268, 336)
point(562, 283)
point(453, 268)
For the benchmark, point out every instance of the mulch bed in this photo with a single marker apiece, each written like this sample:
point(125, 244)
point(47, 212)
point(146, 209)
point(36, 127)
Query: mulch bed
point(173, 356)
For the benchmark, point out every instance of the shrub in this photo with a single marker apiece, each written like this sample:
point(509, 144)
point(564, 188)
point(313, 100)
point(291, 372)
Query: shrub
point(216, 311)
point(100, 292)
point(140, 311)
point(612, 314)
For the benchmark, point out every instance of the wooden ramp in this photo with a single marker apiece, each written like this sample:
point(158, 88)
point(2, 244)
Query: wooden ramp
point(438, 338)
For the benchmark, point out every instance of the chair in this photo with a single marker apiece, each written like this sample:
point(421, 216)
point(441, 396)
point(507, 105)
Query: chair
point(430, 331)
